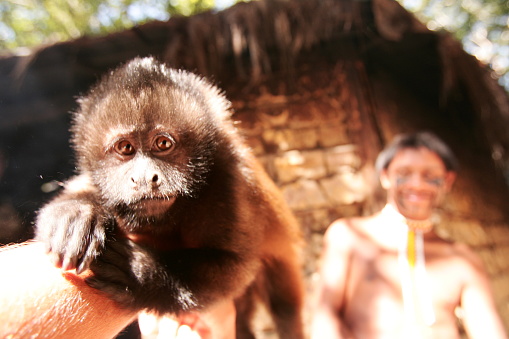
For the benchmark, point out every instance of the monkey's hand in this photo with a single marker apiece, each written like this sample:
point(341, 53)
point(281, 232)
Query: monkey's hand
point(132, 276)
point(73, 230)
point(173, 281)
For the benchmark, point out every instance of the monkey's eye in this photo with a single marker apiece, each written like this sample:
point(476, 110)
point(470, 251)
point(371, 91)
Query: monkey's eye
point(163, 143)
point(124, 147)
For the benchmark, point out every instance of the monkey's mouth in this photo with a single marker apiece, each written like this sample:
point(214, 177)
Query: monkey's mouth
point(153, 206)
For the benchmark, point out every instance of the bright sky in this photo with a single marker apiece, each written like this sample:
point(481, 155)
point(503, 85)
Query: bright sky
point(222, 4)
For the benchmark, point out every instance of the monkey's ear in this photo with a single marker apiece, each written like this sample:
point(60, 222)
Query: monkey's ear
point(215, 97)
point(218, 101)
point(84, 103)
point(78, 116)
point(82, 100)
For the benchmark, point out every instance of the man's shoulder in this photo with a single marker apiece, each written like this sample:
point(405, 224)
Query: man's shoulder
point(355, 224)
point(340, 238)
point(468, 256)
point(464, 258)
point(347, 230)
point(344, 225)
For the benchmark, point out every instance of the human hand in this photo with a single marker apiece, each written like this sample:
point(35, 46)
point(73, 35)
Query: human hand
point(187, 326)
point(217, 322)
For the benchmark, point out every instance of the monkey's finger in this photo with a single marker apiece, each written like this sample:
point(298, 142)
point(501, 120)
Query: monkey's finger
point(78, 242)
point(95, 247)
point(58, 240)
point(56, 259)
point(112, 260)
point(51, 228)
point(114, 263)
point(84, 261)
point(119, 292)
point(68, 263)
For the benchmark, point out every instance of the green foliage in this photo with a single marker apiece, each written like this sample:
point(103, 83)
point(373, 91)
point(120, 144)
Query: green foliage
point(189, 7)
point(481, 25)
point(26, 23)
point(31, 22)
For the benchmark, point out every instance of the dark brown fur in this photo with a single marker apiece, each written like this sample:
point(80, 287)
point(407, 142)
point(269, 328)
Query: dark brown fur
point(169, 208)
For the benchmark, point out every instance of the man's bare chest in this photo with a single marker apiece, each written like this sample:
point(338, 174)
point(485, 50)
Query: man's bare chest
point(375, 277)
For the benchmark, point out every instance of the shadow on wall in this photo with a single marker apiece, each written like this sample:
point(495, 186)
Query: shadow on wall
point(34, 158)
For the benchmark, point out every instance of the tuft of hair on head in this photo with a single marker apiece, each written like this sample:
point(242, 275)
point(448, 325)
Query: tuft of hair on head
point(416, 140)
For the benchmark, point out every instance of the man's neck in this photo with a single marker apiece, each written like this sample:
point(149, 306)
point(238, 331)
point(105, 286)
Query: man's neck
point(424, 225)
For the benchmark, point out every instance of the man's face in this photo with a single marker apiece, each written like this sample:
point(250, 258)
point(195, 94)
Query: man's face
point(416, 181)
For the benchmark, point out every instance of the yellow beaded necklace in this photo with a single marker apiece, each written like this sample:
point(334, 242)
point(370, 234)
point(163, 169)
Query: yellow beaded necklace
point(417, 300)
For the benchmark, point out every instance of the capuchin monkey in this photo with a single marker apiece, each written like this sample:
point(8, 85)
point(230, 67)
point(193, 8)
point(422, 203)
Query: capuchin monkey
point(169, 209)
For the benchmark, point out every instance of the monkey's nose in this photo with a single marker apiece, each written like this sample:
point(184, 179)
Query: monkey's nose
point(155, 181)
point(134, 183)
point(150, 179)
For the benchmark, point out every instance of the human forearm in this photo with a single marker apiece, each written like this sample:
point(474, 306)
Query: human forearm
point(480, 315)
point(38, 300)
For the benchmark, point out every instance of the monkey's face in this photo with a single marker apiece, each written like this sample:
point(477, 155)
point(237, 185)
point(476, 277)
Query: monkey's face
point(141, 172)
point(147, 149)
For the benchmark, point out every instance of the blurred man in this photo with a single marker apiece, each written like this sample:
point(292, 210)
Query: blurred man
point(389, 275)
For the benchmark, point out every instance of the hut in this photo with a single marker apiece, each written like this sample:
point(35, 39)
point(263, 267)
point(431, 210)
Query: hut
point(318, 87)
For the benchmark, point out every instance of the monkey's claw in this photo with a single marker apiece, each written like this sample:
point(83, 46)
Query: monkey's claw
point(72, 231)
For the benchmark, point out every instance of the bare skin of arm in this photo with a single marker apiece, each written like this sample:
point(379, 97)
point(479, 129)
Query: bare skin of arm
point(327, 323)
point(480, 315)
point(217, 322)
point(39, 300)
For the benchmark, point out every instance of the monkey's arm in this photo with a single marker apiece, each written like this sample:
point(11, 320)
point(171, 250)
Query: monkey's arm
point(73, 225)
point(172, 281)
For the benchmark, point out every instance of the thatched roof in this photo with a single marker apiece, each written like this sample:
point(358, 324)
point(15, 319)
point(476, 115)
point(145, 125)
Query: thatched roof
point(244, 42)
